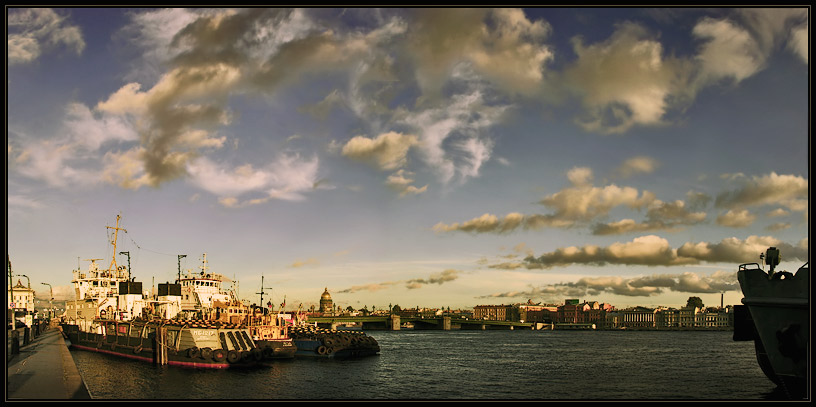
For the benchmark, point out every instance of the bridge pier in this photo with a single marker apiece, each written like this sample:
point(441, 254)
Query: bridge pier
point(394, 323)
point(446, 323)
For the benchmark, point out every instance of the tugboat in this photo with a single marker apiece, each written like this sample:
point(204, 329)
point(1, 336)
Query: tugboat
point(112, 315)
point(775, 315)
point(270, 333)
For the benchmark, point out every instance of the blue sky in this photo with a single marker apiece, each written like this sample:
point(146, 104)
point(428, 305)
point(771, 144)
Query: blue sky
point(437, 157)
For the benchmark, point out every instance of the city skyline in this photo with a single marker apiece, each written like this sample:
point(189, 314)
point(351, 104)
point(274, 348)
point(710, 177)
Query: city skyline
point(432, 157)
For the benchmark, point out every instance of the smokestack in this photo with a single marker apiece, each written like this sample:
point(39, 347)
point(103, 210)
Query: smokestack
point(722, 295)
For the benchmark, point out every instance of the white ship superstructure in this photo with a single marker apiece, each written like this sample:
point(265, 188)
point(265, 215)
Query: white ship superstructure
point(204, 290)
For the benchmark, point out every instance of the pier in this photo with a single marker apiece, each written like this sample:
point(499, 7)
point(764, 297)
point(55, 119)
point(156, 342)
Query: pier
point(43, 369)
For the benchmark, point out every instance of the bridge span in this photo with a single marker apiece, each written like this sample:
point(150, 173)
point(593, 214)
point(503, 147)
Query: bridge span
point(395, 322)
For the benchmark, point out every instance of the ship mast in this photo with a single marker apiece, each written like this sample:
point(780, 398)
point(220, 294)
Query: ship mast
point(113, 266)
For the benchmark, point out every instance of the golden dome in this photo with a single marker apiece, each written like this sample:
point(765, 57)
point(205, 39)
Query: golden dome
point(326, 295)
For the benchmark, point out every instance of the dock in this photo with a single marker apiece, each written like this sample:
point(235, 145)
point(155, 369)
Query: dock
point(44, 370)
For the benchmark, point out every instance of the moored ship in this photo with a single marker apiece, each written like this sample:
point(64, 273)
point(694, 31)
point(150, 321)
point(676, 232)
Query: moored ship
point(312, 341)
point(777, 320)
point(112, 315)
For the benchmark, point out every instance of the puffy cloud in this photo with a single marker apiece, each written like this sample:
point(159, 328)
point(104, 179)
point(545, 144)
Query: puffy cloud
point(33, 29)
point(800, 41)
point(730, 51)
point(739, 47)
point(399, 181)
point(776, 28)
point(643, 286)
point(501, 44)
point(660, 216)
point(790, 191)
point(624, 81)
point(92, 131)
point(733, 250)
point(387, 151)
point(286, 178)
point(637, 165)
point(655, 251)
point(583, 201)
point(736, 218)
point(645, 250)
point(451, 139)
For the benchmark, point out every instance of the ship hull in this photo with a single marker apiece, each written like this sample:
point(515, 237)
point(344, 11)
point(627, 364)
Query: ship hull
point(779, 312)
point(200, 347)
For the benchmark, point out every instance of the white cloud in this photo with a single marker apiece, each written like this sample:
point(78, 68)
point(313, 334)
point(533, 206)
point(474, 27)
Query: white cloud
point(655, 251)
point(637, 165)
point(32, 30)
point(730, 51)
point(583, 201)
point(461, 121)
point(624, 81)
point(790, 191)
point(401, 182)
point(736, 218)
point(387, 151)
point(287, 178)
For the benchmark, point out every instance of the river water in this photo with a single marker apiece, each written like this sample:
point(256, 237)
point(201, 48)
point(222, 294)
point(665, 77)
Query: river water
point(468, 365)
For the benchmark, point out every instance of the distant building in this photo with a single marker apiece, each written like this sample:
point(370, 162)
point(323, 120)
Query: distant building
point(667, 318)
point(638, 317)
point(326, 303)
point(23, 298)
point(496, 312)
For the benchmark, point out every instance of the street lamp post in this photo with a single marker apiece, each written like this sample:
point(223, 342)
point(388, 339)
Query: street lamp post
point(50, 301)
point(27, 279)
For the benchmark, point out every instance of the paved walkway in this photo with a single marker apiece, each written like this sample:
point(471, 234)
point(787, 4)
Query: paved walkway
point(44, 370)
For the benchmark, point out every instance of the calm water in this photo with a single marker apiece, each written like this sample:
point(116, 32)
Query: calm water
point(458, 365)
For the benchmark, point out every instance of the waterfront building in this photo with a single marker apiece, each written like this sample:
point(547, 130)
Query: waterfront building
point(537, 313)
point(568, 313)
point(23, 298)
point(326, 303)
point(639, 317)
point(667, 318)
point(688, 316)
point(716, 318)
point(496, 312)
point(612, 320)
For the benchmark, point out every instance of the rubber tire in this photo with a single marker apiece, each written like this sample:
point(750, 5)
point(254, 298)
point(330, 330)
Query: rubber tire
point(193, 352)
point(233, 356)
point(219, 355)
point(206, 353)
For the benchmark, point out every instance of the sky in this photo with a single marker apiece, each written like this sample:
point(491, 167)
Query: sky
point(412, 157)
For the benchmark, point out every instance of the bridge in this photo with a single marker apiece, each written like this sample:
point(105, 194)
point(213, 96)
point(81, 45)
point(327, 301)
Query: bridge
point(394, 322)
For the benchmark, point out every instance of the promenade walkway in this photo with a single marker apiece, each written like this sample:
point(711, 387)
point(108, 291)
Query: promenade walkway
point(44, 370)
